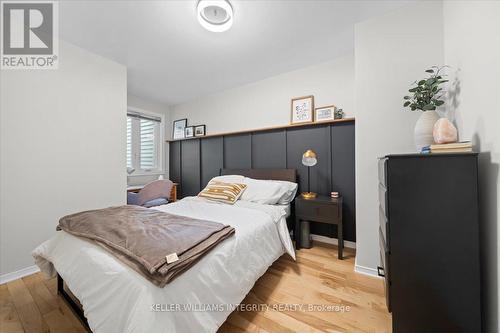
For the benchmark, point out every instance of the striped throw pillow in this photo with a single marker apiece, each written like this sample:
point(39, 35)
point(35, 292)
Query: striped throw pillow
point(222, 192)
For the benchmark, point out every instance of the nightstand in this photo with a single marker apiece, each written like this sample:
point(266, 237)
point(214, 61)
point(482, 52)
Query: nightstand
point(321, 209)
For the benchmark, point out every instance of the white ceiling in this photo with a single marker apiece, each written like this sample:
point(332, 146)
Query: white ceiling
point(172, 59)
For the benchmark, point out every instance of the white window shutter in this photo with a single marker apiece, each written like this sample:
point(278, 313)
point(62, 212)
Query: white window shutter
point(144, 142)
point(129, 142)
point(148, 144)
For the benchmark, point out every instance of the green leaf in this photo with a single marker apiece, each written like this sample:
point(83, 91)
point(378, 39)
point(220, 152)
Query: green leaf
point(438, 102)
point(421, 82)
point(413, 89)
point(407, 97)
point(429, 107)
point(429, 71)
point(406, 104)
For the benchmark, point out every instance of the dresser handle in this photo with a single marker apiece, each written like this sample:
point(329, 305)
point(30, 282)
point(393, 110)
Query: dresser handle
point(380, 271)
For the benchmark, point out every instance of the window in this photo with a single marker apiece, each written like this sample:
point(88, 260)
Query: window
point(144, 142)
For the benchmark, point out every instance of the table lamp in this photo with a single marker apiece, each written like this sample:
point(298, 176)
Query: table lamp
point(309, 159)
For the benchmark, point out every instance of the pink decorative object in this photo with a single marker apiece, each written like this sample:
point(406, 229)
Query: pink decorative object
point(444, 131)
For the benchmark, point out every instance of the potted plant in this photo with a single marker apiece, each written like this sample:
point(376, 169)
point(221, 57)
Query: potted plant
point(426, 96)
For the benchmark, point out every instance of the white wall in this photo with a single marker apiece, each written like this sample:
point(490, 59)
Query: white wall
point(391, 51)
point(267, 102)
point(472, 49)
point(62, 142)
point(151, 106)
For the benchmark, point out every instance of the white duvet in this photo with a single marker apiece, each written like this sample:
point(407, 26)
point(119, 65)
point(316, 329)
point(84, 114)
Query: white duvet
point(117, 299)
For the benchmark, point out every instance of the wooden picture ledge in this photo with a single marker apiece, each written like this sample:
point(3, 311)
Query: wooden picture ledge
point(267, 129)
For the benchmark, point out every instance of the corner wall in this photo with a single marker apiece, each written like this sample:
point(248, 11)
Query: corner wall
point(62, 148)
point(472, 49)
point(391, 51)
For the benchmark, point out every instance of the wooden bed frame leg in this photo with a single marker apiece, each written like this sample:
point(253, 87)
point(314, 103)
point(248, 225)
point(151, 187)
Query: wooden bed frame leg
point(74, 307)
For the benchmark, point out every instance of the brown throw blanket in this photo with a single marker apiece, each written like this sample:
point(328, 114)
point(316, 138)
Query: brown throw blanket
point(148, 240)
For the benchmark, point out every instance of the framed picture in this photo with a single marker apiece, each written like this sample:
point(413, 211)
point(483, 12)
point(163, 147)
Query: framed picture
point(179, 126)
point(325, 113)
point(199, 130)
point(339, 113)
point(302, 110)
point(189, 132)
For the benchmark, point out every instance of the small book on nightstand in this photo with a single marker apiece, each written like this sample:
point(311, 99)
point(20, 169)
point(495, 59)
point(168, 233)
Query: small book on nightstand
point(458, 147)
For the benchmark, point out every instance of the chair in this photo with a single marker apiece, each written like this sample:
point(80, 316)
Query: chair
point(153, 194)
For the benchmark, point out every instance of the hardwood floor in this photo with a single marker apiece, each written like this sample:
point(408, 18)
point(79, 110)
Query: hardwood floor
point(31, 304)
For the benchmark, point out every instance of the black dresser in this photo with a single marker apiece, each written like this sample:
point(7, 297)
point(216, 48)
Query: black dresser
point(429, 242)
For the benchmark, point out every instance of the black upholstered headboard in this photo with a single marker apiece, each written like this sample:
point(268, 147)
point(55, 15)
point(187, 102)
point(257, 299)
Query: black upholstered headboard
point(289, 175)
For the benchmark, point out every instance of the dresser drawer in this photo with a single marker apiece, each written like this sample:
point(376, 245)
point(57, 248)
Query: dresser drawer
point(382, 244)
point(381, 171)
point(382, 198)
point(384, 227)
point(384, 262)
point(317, 212)
point(385, 265)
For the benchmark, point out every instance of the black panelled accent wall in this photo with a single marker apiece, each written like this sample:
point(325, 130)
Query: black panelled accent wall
point(194, 162)
point(212, 158)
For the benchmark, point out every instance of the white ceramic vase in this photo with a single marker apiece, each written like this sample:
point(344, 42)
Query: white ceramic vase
point(423, 129)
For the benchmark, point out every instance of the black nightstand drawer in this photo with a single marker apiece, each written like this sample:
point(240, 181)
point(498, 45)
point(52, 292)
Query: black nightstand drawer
point(321, 209)
point(318, 212)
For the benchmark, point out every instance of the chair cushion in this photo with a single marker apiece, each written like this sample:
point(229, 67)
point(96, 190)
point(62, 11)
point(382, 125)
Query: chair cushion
point(155, 202)
point(154, 190)
point(132, 198)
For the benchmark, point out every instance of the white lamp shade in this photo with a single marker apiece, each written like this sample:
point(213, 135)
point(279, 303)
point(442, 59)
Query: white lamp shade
point(309, 158)
point(308, 161)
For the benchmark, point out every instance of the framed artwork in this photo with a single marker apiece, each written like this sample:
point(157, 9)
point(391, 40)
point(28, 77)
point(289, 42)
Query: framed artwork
point(339, 113)
point(325, 113)
point(199, 130)
point(189, 132)
point(302, 110)
point(178, 131)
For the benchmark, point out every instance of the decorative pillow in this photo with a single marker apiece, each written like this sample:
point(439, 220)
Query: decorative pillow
point(222, 192)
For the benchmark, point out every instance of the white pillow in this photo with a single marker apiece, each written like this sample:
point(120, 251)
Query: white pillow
point(229, 179)
point(269, 192)
point(262, 191)
point(289, 191)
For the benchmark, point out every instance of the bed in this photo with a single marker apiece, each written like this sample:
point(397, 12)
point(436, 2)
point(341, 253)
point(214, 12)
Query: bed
point(115, 298)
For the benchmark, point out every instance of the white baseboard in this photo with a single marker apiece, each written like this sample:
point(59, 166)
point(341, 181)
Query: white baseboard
point(19, 274)
point(366, 271)
point(333, 241)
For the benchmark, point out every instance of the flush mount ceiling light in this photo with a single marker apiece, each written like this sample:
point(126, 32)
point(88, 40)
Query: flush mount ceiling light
point(215, 15)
